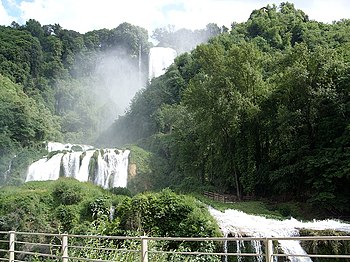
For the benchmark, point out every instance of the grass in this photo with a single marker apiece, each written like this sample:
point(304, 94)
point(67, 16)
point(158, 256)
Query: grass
point(278, 210)
point(250, 207)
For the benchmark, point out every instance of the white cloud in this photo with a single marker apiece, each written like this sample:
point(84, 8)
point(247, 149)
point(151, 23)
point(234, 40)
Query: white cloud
point(5, 18)
point(86, 15)
point(90, 14)
point(328, 11)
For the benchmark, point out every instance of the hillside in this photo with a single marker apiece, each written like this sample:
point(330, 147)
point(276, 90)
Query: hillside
point(60, 85)
point(67, 205)
point(260, 111)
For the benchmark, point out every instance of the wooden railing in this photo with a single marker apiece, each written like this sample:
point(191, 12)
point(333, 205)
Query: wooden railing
point(24, 246)
point(226, 198)
point(221, 197)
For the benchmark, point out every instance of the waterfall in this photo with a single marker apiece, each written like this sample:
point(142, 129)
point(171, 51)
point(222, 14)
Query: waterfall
point(111, 167)
point(56, 146)
point(140, 63)
point(45, 169)
point(159, 59)
point(9, 169)
point(104, 167)
point(237, 223)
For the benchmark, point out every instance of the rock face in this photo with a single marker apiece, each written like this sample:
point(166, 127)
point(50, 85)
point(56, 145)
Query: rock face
point(132, 170)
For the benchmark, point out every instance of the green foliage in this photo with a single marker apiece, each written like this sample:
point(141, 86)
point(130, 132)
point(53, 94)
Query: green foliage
point(24, 124)
point(323, 247)
point(185, 217)
point(67, 193)
point(21, 209)
point(67, 216)
point(54, 70)
point(100, 207)
point(140, 172)
point(23, 121)
point(260, 111)
point(47, 206)
point(121, 191)
point(70, 206)
point(250, 207)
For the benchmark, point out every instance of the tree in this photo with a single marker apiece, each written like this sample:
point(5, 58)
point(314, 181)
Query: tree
point(34, 27)
point(23, 120)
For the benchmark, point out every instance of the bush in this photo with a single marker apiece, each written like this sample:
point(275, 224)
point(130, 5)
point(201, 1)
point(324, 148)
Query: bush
point(67, 193)
point(121, 191)
point(99, 207)
point(325, 247)
point(184, 215)
point(67, 216)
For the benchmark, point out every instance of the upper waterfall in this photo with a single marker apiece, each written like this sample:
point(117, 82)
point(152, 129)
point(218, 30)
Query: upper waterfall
point(159, 59)
point(104, 167)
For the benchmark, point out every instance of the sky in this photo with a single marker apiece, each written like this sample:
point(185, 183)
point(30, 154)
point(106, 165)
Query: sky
point(88, 15)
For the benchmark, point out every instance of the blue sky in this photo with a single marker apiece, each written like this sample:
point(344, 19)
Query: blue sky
point(87, 15)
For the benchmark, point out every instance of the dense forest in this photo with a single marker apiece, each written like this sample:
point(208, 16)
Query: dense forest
point(57, 84)
point(260, 110)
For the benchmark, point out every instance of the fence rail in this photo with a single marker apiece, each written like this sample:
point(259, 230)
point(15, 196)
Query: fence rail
point(226, 198)
point(28, 246)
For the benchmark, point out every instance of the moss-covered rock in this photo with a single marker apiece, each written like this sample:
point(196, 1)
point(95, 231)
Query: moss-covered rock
point(93, 166)
point(325, 247)
point(140, 172)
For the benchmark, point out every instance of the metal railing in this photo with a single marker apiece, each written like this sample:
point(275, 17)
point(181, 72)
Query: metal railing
point(25, 246)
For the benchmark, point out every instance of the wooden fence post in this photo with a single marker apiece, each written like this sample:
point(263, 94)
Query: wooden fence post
point(12, 246)
point(269, 250)
point(144, 249)
point(64, 248)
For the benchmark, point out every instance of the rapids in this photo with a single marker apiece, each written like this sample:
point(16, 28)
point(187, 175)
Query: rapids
point(237, 224)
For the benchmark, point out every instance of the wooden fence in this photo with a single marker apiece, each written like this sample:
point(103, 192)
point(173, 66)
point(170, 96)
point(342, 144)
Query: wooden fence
point(226, 198)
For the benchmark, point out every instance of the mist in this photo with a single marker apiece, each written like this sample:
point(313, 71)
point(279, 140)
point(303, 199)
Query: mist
point(103, 86)
point(184, 40)
point(116, 79)
point(106, 79)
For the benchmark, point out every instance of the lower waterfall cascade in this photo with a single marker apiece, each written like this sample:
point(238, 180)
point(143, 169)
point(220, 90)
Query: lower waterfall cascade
point(238, 224)
point(104, 167)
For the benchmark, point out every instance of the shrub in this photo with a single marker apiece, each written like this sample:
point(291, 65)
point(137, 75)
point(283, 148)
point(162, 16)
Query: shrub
point(66, 192)
point(121, 191)
point(67, 216)
point(147, 212)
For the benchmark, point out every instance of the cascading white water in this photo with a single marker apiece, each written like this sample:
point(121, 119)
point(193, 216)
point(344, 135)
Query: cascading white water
point(111, 168)
point(159, 59)
point(56, 146)
point(9, 169)
point(107, 167)
point(45, 169)
point(237, 223)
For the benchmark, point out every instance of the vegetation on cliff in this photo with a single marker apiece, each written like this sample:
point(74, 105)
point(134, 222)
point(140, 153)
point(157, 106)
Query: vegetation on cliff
point(261, 110)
